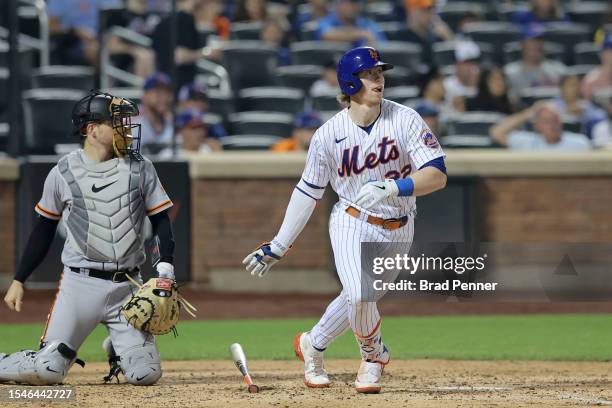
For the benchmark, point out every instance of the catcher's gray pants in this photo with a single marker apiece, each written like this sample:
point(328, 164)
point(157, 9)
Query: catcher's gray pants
point(82, 302)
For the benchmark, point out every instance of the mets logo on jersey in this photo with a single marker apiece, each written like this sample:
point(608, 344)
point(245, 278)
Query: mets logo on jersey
point(374, 55)
point(429, 139)
point(386, 152)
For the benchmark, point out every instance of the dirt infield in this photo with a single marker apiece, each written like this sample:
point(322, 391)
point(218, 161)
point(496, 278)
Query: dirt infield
point(419, 383)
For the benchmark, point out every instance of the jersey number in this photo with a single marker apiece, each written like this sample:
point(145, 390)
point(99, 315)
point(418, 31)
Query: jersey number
point(403, 173)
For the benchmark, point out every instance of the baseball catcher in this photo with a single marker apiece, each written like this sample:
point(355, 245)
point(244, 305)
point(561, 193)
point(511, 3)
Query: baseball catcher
point(102, 193)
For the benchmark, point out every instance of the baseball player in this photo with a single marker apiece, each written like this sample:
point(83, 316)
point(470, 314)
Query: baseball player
point(388, 145)
point(101, 193)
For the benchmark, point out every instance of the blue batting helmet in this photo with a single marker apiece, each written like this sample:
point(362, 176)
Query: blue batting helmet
point(354, 61)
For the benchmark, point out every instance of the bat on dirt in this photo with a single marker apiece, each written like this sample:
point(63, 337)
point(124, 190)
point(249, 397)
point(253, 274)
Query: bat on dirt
point(241, 363)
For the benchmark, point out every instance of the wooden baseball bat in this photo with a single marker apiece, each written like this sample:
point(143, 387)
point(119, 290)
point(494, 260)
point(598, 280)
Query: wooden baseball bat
point(241, 363)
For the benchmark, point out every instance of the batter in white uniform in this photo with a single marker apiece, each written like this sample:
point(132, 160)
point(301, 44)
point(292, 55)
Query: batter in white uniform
point(378, 156)
point(102, 193)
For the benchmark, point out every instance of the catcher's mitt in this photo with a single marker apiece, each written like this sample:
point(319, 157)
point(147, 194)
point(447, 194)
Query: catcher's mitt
point(155, 307)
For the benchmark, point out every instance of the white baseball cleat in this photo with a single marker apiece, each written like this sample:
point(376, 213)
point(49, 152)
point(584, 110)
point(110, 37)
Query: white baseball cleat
point(368, 377)
point(315, 375)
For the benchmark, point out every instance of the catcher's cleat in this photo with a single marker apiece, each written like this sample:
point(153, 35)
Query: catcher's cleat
point(368, 377)
point(315, 375)
point(113, 361)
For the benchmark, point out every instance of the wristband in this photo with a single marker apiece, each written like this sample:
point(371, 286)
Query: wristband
point(405, 187)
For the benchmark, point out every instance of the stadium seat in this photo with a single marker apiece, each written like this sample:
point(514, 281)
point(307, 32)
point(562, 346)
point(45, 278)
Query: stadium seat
point(47, 118)
point(221, 103)
point(495, 33)
point(246, 31)
point(399, 76)
point(401, 93)
point(453, 11)
point(529, 96)
point(586, 53)
point(27, 61)
point(393, 30)
point(401, 54)
point(505, 11)
point(474, 123)
point(64, 77)
point(308, 31)
point(380, 11)
point(590, 13)
point(466, 141)
point(602, 97)
point(264, 123)
point(444, 53)
point(567, 34)
point(204, 33)
point(213, 119)
point(274, 99)
point(326, 102)
point(552, 51)
point(317, 52)
point(571, 124)
point(298, 76)
point(248, 142)
point(4, 79)
point(249, 63)
point(4, 133)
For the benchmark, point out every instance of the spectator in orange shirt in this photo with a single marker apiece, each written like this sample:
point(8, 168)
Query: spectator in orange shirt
point(306, 123)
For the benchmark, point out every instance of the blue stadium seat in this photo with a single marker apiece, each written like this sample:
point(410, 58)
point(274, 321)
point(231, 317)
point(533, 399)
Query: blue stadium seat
point(249, 63)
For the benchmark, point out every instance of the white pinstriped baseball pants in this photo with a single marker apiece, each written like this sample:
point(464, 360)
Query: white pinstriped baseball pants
point(349, 309)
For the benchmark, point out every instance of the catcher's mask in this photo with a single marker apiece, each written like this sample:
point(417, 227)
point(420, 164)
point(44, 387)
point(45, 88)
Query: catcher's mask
point(100, 107)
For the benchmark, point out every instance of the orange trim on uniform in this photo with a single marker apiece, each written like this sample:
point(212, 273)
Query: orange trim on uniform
point(47, 212)
point(165, 203)
point(371, 334)
point(59, 286)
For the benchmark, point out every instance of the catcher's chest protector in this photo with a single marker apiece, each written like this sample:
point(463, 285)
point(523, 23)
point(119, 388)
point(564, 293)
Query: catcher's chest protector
point(106, 218)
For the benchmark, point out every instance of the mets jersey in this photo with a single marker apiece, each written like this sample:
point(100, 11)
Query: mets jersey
point(345, 155)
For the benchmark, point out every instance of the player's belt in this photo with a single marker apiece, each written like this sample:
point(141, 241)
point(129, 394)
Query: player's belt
point(386, 223)
point(115, 276)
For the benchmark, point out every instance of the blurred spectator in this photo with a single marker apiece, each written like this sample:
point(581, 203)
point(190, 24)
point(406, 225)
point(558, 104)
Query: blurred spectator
point(430, 115)
point(600, 77)
point(187, 50)
point(571, 106)
point(533, 70)
point(540, 11)
point(155, 113)
point(424, 27)
point(318, 9)
point(602, 131)
point(345, 24)
point(547, 134)
point(432, 92)
point(273, 33)
point(306, 123)
point(251, 10)
point(209, 14)
point(73, 30)
point(463, 82)
point(137, 59)
point(192, 135)
point(492, 93)
point(328, 83)
point(194, 97)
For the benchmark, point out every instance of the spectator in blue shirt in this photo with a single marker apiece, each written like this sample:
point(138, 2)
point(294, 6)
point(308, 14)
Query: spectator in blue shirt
point(194, 96)
point(345, 24)
point(540, 11)
point(73, 27)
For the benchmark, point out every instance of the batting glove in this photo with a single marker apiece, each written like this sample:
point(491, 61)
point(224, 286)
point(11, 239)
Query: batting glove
point(165, 270)
point(374, 192)
point(261, 260)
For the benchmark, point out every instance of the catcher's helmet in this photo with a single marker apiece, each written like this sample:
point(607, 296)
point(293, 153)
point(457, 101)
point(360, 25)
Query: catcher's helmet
point(354, 61)
point(101, 107)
